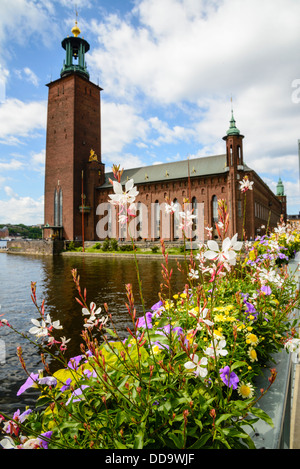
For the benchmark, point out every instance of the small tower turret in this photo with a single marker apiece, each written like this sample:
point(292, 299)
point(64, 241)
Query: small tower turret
point(234, 145)
point(76, 48)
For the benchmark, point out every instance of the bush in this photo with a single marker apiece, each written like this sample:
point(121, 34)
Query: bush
point(114, 244)
point(126, 247)
point(154, 249)
point(106, 245)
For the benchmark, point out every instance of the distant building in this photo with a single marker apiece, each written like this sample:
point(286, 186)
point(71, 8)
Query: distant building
point(77, 187)
point(4, 233)
point(294, 221)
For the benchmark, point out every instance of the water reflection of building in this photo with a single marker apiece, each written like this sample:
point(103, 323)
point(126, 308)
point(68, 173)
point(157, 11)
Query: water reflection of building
point(76, 182)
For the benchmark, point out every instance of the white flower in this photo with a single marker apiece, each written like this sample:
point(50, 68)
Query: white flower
point(187, 219)
point(171, 208)
point(121, 197)
point(39, 329)
point(92, 311)
point(7, 443)
point(219, 349)
point(93, 320)
point(193, 274)
point(198, 364)
point(54, 325)
point(227, 253)
point(292, 345)
point(246, 185)
point(203, 320)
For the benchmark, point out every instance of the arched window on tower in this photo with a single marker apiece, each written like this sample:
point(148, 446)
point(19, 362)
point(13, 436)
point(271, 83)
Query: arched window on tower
point(156, 220)
point(176, 230)
point(215, 216)
point(194, 208)
point(58, 207)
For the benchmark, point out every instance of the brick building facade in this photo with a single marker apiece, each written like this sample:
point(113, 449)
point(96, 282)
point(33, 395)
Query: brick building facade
point(77, 186)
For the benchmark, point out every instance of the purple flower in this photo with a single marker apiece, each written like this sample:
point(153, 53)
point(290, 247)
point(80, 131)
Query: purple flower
point(229, 378)
point(43, 443)
point(142, 322)
point(77, 393)
point(74, 362)
point(21, 417)
point(157, 305)
point(48, 380)
point(28, 383)
point(67, 385)
point(266, 290)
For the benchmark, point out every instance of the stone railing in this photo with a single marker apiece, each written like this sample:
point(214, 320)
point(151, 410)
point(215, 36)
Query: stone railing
point(277, 402)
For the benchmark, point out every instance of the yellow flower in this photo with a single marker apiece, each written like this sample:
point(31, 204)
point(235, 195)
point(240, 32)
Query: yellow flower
point(183, 295)
point(156, 349)
point(252, 354)
point(175, 296)
point(246, 391)
point(252, 339)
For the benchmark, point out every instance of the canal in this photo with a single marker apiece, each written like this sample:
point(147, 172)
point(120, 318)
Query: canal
point(104, 278)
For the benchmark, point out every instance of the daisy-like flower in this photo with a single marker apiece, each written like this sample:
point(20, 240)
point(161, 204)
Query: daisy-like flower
point(252, 355)
point(252, 339)
point(227, 253)
point(246, 185)
point(198, 365)
point(245, 390)
point(121, 197)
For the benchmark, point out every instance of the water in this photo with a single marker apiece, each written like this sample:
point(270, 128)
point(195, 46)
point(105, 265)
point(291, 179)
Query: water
point(105, 279)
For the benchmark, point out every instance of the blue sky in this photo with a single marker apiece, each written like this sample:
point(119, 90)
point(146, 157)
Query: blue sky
point(168, 69)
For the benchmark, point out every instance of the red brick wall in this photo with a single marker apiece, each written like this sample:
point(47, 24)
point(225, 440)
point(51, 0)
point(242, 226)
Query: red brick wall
point(73, 128)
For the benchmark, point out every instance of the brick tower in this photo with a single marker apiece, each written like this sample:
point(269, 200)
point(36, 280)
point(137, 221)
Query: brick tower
point(234, 162)
point(73, 147)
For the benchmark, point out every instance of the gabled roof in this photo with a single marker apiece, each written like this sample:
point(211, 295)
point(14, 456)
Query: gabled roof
point(172, 171)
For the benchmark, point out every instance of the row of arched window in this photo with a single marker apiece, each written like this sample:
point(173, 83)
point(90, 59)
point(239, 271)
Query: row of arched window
point(58, 207)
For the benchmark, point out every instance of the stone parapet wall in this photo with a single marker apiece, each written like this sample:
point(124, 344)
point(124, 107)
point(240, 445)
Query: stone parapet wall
point(35, 246)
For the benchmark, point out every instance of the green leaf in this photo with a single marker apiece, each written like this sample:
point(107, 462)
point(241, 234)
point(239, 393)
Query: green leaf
point(201, 442)
point(177, 440)
point(262, 415)
point(111, 332)
point(139, 437)
point(237, 364)
point(222, 418)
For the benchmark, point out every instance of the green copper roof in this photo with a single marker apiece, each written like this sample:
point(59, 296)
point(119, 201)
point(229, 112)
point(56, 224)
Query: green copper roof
point(165, 172)
point(76, 48)
point(280, 188)
point(233, 130)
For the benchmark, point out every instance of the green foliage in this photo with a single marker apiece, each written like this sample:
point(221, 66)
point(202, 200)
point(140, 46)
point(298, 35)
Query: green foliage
point(24, 231)
point(184, 378)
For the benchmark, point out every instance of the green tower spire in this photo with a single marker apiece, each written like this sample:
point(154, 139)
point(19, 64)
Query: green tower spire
point(233, 130)
point(280, 188)
point(76, 48)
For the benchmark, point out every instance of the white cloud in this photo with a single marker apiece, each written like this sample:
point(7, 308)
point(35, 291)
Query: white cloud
point(121, 125)
point(37, 161)
point(30, 76)
point(19, 119)
point(21, 209)
point(12, 165)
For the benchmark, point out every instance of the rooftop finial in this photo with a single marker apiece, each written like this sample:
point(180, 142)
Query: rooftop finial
point(75, 30)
